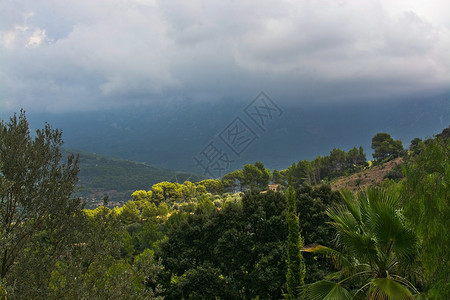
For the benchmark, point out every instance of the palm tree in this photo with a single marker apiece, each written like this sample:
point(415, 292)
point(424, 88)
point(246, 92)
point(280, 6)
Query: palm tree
point(377, 249)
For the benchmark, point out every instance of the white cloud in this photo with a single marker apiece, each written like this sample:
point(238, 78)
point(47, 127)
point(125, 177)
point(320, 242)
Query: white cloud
point(81, 55)
point(36, 38)
point(8, 39)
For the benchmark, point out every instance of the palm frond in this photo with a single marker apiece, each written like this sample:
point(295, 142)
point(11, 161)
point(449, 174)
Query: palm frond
point(339, 259)
point(364, 206)
point(360, 245)
point(342, 218)
point(378, 196)
point(405, 282)
point(352, 204)
point(388, 288)
point(327, 290)
point(376, 245)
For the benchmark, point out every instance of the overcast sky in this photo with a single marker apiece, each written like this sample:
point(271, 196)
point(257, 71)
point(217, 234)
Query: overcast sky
point(61, 56)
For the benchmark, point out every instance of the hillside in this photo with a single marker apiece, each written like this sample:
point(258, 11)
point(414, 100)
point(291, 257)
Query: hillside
point(117, 178)
point(370, 176)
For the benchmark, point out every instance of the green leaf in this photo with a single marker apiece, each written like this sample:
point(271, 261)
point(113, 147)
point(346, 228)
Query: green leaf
point(388, 288)
point(340, 260)
point(327, 290)
point(352, 205)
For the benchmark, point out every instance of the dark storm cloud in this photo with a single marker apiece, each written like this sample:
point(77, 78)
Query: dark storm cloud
point(88, 55)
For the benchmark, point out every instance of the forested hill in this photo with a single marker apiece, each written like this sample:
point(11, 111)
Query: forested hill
point(117, 178)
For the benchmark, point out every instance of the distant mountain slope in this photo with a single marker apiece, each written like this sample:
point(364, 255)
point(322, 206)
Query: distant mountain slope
point(117, 178)
point(171, 135)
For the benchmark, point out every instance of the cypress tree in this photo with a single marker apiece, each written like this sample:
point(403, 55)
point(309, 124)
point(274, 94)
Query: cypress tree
point(296, 268)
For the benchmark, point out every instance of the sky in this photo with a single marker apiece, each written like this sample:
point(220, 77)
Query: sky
point(65, 56)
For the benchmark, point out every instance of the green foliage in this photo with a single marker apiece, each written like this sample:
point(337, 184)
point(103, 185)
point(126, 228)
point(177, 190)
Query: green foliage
point(149, 211)
point(129, 213)
point(232, 182)
point(210, 244)
point(188, 190)
point(252, 177)
point(385, 147)
point(377, 246)
point(174, 195)
point(255, 176)
point(213, 186)
point(51, 249)
point(426, 201)
point(312, 204)
point(107, 278)
point(35, 190)
point(192, 284)
point(328, 290)
point(278, 177)
point(416, 146)
point(144, 235)
point(240, 247)
point(99, 264)
point(388, 288)
point(3, 293)
point(163, 209)
point(142, 195)
point(300, 172)
point(295, 266)
point(167, 192)
point(322, 168)
point(395, 173)
point(205, 206)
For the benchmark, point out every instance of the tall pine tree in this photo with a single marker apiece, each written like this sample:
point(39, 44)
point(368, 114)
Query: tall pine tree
point(296, 268)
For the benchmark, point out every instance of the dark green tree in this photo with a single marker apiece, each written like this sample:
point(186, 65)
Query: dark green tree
point(385, 147)
point(416, 146)
point(201, 282)
point(338, 160)
point(299, 173)
point(35, 189)
point(278, 177)
point(312, 204)
point(356, 158)
point(232, 182)
point(241, 247)
point(295, 266)
point(445, 134)
point(256, 176)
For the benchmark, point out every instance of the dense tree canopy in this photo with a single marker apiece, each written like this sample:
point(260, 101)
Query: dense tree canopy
point(244, 244)
point(312, 203)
